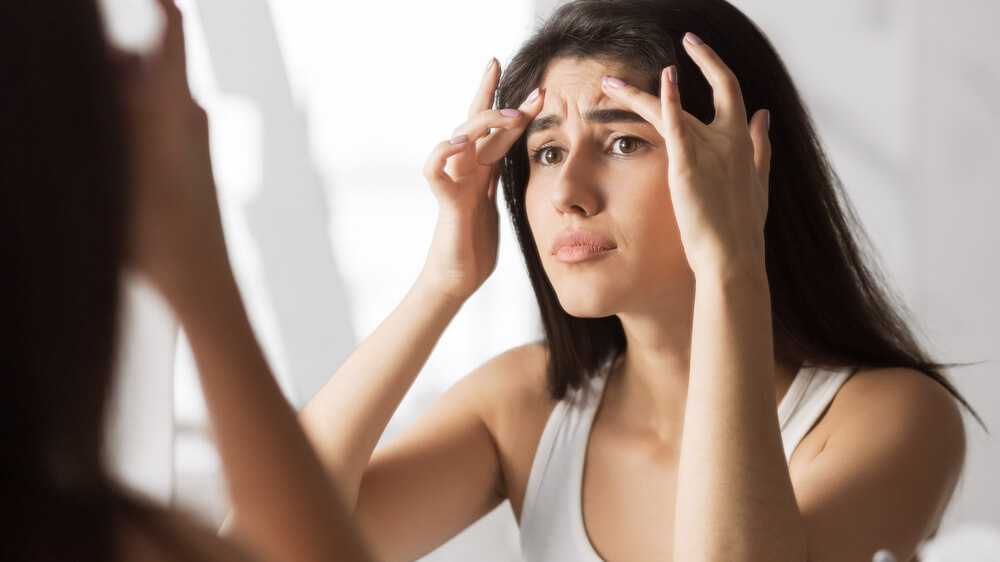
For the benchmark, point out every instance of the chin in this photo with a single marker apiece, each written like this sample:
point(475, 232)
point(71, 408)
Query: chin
point(586, 302)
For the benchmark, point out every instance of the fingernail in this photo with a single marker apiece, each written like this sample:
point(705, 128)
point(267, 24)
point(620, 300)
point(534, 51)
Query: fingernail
point(532, 96)
point(672, 74)
point(767, 120)
point(693, 39)
point(613, 82)
point(489, 65)
point(510, 112)
point(459, 139)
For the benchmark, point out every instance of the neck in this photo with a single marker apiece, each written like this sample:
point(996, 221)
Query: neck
point(653, 379)
point(653, 373)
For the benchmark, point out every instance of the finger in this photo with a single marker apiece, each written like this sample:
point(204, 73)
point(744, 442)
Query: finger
point(648, 106)
point(171, 56)
point(173, 28)
point(677, 128)
point(480, 124)
point(493, 147)
point(434, 168)
point(643, 103)
point(483, 99)
point(729, 108)
point(759, 126)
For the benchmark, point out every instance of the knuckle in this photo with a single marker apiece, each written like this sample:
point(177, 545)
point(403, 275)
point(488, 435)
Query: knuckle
point(728, 81)
point(736, 145)
point(430, 168)
point(478, 123)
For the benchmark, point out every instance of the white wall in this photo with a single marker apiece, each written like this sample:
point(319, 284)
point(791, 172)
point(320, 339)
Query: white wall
point(140, 418)
point(956, 84)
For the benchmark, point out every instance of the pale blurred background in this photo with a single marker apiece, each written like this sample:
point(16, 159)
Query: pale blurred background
point(322, 114)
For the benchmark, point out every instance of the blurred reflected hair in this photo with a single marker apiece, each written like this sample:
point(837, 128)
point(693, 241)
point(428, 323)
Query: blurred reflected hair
point(830, 305)
point(62, 220)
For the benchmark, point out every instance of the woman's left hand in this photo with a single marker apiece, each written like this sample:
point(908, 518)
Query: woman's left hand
point(717, 173)
point(176, 235)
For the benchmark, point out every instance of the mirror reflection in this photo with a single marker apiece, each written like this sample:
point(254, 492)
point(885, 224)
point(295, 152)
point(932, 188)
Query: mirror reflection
point(559, 283)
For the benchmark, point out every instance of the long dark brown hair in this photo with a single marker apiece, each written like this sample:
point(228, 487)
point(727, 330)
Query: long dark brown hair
point(829, 305)
point(62, 219)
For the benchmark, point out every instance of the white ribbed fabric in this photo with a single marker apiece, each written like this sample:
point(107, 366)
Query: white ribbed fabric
point(552, 528)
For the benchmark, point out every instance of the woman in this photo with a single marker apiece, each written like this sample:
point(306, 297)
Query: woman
point(646, 425)
point(105, 164)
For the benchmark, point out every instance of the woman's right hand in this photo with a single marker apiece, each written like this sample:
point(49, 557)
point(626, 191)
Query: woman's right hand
point(462, 173)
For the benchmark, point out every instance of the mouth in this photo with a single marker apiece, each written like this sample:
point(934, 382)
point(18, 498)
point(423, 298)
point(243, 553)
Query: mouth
point(579, 246)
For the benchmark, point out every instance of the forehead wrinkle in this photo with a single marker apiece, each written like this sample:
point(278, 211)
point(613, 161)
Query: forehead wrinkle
point(595, 115)
point(572, 87)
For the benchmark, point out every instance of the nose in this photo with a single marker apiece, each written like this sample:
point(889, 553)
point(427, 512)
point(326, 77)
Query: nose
point(576, 189)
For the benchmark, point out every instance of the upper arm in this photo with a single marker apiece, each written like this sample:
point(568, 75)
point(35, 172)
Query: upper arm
point(442, 473)
point(894, 449)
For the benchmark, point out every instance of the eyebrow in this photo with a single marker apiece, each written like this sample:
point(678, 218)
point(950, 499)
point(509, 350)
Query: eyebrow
point(551, 121)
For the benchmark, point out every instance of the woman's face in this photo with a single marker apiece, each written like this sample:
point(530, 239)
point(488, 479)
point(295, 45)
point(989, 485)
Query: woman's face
point(597, 198)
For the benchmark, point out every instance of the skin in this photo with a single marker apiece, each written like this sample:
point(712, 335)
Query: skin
point(284, 503)
point(685, 458)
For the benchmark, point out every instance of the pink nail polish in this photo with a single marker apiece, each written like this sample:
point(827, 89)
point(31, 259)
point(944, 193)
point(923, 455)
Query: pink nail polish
point(693, 39)
point(489, 66)
point(459, 139)
point(532, 97)
point(613, 82)
point(672, 74)
point(510, 112)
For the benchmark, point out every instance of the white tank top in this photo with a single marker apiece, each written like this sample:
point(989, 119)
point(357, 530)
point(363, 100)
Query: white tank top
point(552, 526)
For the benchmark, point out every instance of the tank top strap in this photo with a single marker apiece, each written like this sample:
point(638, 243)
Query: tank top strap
point(552, 496)
point(807, 399)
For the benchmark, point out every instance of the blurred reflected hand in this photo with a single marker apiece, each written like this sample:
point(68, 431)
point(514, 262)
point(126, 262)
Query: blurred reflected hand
point(176, 231)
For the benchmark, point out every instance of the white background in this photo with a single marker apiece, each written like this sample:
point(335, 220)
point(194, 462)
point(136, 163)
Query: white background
point(322, 114)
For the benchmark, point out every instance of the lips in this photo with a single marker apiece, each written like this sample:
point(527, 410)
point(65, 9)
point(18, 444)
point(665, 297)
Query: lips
point(580, 245)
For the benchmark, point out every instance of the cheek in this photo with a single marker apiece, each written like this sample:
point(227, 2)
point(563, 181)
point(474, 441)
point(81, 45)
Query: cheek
point(534, 207)
point(646, 215)
point(645, 203)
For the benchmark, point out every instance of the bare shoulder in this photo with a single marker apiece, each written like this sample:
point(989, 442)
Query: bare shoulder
point(510, 383)
point(905, 403)
point(515, 405)
point(886, 458)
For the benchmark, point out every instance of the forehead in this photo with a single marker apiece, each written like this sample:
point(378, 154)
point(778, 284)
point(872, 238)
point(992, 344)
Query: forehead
point(574, 84)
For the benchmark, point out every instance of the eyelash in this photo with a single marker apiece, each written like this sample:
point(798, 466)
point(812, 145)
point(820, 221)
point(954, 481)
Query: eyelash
point(536, 154)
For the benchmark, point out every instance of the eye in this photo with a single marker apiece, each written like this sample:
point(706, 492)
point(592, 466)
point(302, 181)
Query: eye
point(626, 145)
point(547, 155)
